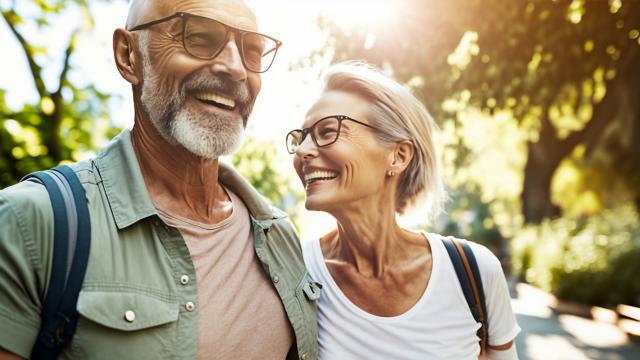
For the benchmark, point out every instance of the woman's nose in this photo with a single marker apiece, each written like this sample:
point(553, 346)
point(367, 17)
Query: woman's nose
point(307, 148)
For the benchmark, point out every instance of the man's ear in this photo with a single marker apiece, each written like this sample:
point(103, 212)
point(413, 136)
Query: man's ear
point(402, 155)
point(125, 56)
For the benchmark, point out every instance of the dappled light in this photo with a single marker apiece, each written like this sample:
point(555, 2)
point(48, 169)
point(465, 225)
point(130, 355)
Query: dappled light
point(537, 103)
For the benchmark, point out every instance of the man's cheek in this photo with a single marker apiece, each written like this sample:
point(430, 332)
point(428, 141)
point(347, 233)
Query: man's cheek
point(255, 84)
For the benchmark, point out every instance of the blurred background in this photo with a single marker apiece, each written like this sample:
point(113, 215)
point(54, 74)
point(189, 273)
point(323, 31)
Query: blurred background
point(538, 103)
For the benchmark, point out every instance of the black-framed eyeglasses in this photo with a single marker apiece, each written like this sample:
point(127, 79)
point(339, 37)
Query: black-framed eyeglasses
point(324, 132)
point(204, 38)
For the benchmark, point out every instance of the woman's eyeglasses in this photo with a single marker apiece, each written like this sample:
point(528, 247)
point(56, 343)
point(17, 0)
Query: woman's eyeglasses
point(323, 132)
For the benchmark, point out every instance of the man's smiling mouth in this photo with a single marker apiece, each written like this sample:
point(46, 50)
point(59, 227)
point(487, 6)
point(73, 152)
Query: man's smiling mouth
point(216, 100)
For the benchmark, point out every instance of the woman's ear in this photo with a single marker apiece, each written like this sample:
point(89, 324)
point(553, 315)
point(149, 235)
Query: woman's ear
point(125, 56)
point(402, 155)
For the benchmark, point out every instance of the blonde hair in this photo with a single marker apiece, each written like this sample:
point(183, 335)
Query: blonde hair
point(399, 116)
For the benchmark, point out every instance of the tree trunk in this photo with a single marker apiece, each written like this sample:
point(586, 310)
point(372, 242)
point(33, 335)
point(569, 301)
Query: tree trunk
point(536, 190)
point(544, 156)
point(52, 141)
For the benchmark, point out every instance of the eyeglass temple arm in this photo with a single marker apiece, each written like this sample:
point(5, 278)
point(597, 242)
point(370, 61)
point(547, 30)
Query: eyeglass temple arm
point(158, 21)
point(275, 48)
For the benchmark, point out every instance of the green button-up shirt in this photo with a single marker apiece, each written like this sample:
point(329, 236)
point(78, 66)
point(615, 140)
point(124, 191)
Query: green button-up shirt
point(133, 304)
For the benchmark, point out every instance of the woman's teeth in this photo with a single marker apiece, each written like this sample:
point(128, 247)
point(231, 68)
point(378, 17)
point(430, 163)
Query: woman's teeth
point(319, 175)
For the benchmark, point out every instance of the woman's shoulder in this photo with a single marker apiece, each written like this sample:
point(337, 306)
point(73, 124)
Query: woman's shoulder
point(484, 256)
point(488, 262)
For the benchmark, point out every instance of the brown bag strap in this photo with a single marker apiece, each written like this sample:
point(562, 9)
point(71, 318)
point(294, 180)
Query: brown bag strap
point(466, 267)
point(476, 295)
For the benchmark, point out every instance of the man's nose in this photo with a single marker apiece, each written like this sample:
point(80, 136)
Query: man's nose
point(230, 60)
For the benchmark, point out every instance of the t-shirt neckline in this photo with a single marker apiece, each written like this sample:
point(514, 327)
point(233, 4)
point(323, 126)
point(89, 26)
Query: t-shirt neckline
point(177, 220)
point(422, 301)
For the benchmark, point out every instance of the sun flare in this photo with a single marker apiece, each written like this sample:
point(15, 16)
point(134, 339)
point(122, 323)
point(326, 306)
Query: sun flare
point(360, 14)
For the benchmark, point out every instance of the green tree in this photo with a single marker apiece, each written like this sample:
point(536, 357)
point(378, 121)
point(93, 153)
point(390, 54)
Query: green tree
point(258, 162)
point(567, 71)
point(67, 120)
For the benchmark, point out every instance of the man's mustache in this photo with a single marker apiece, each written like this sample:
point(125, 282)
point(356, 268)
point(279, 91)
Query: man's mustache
point(239, 91)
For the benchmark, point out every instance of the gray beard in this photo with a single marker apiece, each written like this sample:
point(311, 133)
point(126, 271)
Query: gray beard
point(200, 133)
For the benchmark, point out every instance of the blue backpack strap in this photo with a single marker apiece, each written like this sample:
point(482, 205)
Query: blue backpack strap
point(72, 239)
point(466, 267)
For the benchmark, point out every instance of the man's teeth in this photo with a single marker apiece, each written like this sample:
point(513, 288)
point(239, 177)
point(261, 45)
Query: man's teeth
point(211, 97)
point(320, 175)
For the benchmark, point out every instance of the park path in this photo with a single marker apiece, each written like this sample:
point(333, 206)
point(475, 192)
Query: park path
point(549, 336)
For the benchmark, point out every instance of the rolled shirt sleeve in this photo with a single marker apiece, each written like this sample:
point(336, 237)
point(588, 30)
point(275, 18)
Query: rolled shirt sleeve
point(25, 219)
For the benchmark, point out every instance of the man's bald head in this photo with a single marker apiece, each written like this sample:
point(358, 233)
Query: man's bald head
point(142, 11)
point(175, 87)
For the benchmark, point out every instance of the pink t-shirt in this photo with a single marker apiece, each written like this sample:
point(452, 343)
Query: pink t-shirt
point(240, 313)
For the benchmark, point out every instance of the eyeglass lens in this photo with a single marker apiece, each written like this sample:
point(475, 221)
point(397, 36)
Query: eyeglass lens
point(324, 132)
point(205, 38)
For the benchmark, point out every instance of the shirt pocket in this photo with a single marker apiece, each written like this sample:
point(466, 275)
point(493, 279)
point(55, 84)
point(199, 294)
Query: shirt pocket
point(124, 325)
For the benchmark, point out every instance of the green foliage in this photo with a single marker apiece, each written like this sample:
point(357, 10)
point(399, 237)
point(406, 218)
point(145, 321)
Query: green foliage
point(564, 75)
point(468, 217)
point(66, 123)
point(592, 260)
point(258, 162)
point(563, 70)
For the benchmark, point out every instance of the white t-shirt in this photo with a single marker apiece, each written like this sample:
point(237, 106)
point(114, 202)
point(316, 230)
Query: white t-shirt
point(438, 326)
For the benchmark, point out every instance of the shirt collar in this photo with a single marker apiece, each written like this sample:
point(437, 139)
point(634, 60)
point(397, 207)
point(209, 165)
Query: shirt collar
point(123, 182)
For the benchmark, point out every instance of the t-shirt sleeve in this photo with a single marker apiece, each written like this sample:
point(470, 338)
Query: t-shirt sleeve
point(501, 319)
point(21, 279)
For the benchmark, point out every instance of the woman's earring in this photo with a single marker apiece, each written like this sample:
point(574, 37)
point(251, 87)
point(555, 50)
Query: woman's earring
point(391, 173)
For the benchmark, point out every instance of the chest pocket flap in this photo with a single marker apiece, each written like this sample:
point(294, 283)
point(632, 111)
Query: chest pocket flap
point(310, 288)
point(126, 311)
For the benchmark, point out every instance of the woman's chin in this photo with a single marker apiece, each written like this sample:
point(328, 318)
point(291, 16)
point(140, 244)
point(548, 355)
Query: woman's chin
point(314, 204)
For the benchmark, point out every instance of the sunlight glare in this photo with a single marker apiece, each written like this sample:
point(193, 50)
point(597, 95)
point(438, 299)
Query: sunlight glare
point(363, 14)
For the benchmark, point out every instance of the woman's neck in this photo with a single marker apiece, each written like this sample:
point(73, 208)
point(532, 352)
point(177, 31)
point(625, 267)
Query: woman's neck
point(370, 240)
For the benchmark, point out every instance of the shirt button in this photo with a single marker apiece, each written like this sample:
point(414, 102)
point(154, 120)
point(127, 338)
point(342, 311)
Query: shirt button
point(184, 279)
point(275, 279)
point(190, 306)
point(304, 356)
point(129, 316)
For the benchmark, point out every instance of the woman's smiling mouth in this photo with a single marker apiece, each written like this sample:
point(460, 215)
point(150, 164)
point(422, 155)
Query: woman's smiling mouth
point(319, 175)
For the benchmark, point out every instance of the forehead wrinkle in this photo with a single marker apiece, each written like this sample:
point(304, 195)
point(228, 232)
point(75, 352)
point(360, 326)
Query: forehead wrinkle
point(242, 16)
